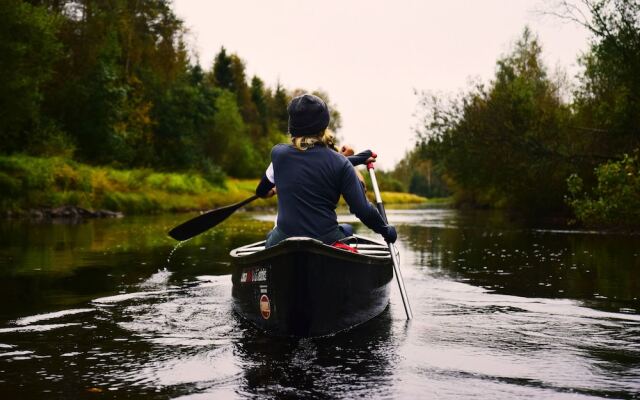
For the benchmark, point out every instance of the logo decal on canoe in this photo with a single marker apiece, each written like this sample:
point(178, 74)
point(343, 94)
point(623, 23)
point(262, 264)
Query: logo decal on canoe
point(265, 306)
point(258, 274)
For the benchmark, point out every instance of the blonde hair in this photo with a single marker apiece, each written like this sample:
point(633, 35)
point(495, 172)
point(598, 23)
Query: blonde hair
point(324, 138)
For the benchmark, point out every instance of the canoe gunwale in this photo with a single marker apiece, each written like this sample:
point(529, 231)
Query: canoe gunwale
point(309, 245)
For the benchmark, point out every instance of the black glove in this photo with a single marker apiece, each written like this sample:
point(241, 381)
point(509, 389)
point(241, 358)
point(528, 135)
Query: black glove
point(360, 158)
point(390, 236)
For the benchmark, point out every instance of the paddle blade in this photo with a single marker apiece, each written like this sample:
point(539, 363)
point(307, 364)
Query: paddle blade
point(206, 221)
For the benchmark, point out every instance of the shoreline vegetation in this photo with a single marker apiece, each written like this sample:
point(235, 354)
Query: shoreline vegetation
point(104, 107)
point(57, 187)
point(102, 95)
point(536, 142)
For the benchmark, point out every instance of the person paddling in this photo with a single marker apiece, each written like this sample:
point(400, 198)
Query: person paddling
point(310, 177)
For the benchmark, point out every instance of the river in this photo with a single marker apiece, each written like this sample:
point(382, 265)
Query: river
point(111, 309)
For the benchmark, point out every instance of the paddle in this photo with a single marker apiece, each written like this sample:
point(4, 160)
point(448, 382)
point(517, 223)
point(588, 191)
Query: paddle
point(208, 220)
point(392, 249)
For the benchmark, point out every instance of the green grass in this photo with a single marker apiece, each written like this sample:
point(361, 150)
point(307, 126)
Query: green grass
point(399, 198)
point(31, 182)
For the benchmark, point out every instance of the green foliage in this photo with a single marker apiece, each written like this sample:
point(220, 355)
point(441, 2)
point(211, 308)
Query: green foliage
point(96, 133)
point(9, 184)
point(232, 146)
point(608, 98)
point(213, 173)
point(385, 181)
point(114, 84)
point(110, 83)
point(418, 174)
point(400, 198)
point(184, 134)
point(515, 143)
point(222, 75)
point(31, 182)
point(47, 139)
point(278, 108)
point(29, 49)
point(132, 203)
point(503, 145)
point(615, 198)
point(259, 97)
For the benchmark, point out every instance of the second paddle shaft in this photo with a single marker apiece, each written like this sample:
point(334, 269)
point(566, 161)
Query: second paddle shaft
point(392, 249)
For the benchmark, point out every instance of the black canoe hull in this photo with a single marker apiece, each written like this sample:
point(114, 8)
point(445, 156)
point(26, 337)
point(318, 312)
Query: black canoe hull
point(304, 288)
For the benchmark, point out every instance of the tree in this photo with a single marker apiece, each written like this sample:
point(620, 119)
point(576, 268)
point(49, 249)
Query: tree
point(505, 145)
point(278, 108)
point(112, 80)
point(241, 89)
point(29, 49)
point(232, 145)
point(260, 99)
point(120, 58)
point(418, 174)
point(608, 97)
point(614, 200)
point(607, 112)
point(185, 135)
point(222, 74)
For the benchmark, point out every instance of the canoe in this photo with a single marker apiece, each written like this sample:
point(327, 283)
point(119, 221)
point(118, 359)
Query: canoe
point(304, 288)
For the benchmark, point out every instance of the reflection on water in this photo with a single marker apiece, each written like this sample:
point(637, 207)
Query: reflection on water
point(500, 311)
point(600, 270)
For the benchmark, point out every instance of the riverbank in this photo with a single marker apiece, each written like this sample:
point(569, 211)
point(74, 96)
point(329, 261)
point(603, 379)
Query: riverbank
point(31, 185)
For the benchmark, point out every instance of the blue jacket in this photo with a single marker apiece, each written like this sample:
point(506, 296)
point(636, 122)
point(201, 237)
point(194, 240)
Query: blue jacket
point(309, 186)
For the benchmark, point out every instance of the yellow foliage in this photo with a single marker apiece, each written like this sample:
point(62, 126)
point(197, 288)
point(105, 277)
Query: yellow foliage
point(46, 182)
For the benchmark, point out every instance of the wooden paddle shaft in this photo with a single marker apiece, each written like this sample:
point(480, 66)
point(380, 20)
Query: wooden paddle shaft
point(392, 248)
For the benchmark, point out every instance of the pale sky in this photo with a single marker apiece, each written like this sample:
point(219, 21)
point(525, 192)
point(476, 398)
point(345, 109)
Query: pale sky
point(371, 55)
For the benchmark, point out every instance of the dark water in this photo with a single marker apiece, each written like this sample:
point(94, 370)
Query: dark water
point(95, 310)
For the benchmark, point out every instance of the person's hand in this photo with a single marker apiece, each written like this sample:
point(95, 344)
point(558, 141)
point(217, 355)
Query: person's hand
point(271, 193)
point(347, 151)
point(371, 159)
point(391, 235)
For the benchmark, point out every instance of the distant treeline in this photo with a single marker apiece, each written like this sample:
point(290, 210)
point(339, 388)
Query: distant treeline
point(111, 82)
point(535, 142)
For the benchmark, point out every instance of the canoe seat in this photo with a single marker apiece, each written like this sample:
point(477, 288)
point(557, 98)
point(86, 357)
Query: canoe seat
point(346, 247)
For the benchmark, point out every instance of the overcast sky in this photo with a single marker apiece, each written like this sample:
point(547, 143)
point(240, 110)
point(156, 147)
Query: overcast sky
point(370, 55)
